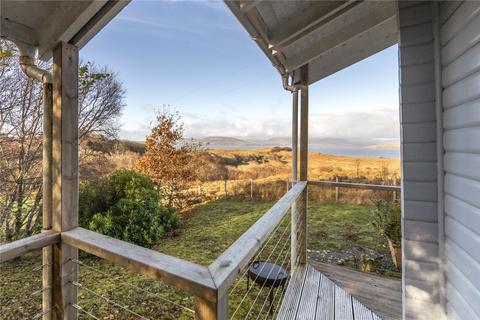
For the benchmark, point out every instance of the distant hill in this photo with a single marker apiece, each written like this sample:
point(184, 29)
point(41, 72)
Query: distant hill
point(222, 141)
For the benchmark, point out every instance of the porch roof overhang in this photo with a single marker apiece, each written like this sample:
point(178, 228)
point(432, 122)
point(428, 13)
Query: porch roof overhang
point(40, 25)
point(326, 35)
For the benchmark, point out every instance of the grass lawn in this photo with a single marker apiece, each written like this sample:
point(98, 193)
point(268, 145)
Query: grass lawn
point(206, 232)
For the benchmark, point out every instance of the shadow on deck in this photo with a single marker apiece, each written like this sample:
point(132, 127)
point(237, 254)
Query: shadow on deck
point(381, 295)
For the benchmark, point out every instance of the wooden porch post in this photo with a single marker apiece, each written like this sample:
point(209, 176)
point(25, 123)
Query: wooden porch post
point(47, 274)
point(302, 203)
point(207, 310)
point(65, 176)
point(294, 211)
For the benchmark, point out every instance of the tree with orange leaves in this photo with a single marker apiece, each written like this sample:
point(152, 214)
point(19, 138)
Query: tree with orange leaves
point(169, 160)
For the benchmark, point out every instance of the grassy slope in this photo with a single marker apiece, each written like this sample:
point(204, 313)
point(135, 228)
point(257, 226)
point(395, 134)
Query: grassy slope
point(277, 165)
point(207, 232)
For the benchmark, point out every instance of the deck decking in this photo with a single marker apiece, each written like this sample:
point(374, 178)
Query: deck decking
point(380, 294)
point(310, 295)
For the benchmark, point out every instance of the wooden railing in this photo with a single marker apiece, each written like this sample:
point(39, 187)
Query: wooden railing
point(209, 284)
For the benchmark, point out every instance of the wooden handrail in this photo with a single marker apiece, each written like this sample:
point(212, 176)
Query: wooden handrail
point(354, 185)
point(179, 273)
point(17, 248)
point(226, 267)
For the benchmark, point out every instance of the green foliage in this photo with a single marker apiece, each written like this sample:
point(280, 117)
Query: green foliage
point(386, 218)
point(126, 206)
point(87, 75)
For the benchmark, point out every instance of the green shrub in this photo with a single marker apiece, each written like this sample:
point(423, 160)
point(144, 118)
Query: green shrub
point(386, 218)
point(126, 206)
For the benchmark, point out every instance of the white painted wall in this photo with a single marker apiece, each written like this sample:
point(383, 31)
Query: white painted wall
point(460, 56)
point(419, 161)
point(457, 232)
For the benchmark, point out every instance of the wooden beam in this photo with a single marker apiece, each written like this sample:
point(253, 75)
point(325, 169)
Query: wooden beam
point(305, 22)
point(17, 248)
point(301, 231)
point(179, 273)
point(360, 19)
point(226, 268)
point(294, 210)
point(354, 185)
point(294, 135)
point(47, 252)
point(65, 176)
point(304, 122)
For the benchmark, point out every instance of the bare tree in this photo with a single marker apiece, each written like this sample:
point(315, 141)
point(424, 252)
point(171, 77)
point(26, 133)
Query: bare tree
point(101, 98)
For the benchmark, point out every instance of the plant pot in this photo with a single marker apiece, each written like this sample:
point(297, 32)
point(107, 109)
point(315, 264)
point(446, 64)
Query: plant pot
point(396, 252)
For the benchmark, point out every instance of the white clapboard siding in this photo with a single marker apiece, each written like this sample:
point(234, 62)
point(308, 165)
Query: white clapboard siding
point(462, 91)
point(462, 140)
point(419, 270)
point(462, 67)
point(465, 13)
point(419, 160)
point(463, 212)
point(460, 53)
point(463, 116)
point(464, 40)
point(470, 293)
point(421, 251)
point(470, 267)
point(447, 8)
point(425, 211)
point(420, 171)
point(457, 303)
point(418, 112)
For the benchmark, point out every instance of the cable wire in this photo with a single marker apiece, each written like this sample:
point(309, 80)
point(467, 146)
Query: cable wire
point(134, 286)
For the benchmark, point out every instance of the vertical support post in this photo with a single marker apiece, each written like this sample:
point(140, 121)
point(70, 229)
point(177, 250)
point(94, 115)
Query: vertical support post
point(336, 190)
point(395, 192)
point(301, 228)
point(47, 274)
point(294, 211)
point(207, 310)
point(65, 176)
point(251, 188)
point(225, 188)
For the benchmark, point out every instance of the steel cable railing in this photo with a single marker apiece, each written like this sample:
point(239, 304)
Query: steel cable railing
point(134, 286)
point(278, 236)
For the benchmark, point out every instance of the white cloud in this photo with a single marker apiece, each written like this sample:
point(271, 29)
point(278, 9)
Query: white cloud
point(375, 124)
point(381, 125)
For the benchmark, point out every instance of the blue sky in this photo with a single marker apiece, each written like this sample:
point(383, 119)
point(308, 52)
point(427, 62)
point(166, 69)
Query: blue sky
point(197, 58)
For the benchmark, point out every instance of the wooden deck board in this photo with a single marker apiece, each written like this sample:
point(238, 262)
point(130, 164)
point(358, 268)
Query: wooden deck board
point(361, 312)
point(381, 295)
point(310, 295)
point(325, 300)
point(343, 305)
point(289, 307)
point(308, 303)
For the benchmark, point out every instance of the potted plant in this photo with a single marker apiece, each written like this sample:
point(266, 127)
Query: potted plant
point(386, 218)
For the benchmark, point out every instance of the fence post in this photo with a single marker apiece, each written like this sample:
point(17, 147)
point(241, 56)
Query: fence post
point(394, 192)
point(251, 188)
point(225, 188)
point(336, 190)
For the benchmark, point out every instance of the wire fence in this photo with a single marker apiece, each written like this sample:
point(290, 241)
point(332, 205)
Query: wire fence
point(274, 189)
